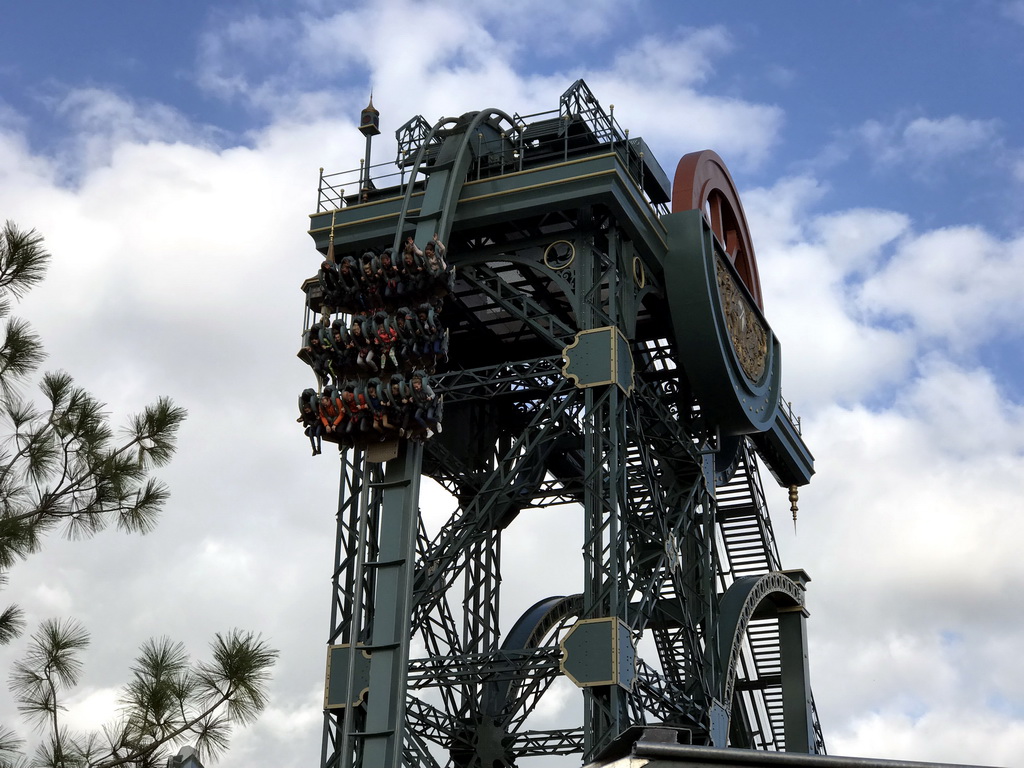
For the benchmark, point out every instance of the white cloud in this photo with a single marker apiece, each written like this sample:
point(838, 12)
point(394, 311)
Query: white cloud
point(307, 715)
point(960, 284)
point(857, 240)
point(948, 136)
point(1014, 10)
point(10, 118)
point(554, 30)
point(101, 121)
point(855, 295)
point(910, 531)
point(317, 41)
point(92, 709)
point(411, 70)
point(806, 263)
point(923, 141)
point(261, 40)
point(947, 394)
point(53, 598)
point(684, 59)
point(950, 151)
point(910, 526)
point(954, 734)
point(93, 111)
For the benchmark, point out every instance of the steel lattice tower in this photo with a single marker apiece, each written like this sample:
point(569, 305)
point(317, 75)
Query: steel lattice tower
point(606, 352)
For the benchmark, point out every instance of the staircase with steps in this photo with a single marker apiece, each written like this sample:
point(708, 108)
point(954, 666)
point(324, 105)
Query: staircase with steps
point(748, 548)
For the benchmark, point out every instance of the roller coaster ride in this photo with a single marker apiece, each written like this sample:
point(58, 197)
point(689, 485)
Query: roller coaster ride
point(608, 351)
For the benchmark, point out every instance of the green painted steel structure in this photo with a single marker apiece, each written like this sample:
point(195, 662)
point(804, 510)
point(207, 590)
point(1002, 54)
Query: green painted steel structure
point(606, 353)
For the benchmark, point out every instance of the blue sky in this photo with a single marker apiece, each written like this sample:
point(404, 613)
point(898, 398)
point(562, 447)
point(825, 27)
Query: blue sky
point(169, 154)
point(833, 69)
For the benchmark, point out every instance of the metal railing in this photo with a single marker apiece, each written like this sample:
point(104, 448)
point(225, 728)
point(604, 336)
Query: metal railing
point(578, 127)
point(786, 406)
point(344, 188)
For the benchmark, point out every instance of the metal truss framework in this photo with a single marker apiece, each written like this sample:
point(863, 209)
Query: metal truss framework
point(426, 674)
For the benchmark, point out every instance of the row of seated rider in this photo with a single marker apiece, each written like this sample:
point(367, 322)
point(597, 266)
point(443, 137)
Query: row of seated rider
point(381, 342)
point(365, 411)
point(380, 280)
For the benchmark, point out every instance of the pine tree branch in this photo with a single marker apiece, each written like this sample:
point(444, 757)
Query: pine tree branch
point(64, 464)
point(23, 260)
point(76, 485)
point(167, 738)
point(58, 751)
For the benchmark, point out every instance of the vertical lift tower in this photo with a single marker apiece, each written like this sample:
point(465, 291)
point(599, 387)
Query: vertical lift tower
point(608, 350)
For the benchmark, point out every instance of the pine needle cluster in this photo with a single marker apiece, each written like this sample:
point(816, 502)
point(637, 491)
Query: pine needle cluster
point(64, 469)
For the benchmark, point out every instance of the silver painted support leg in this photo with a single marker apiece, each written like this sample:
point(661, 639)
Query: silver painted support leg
point(797, 707)
point(389, 639)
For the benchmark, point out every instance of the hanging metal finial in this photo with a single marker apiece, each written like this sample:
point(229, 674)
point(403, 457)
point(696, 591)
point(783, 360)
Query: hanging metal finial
point(330, 242)
point(794, 497)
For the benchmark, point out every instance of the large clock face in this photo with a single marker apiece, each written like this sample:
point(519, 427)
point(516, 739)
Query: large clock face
point(732, 358)
point(746, 332)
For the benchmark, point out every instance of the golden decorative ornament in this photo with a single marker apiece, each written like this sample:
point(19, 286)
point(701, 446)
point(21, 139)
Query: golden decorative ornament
point(747, 334)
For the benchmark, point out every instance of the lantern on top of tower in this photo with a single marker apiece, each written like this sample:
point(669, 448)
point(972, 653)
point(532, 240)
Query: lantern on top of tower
point(369, 126)
point(369, 120)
